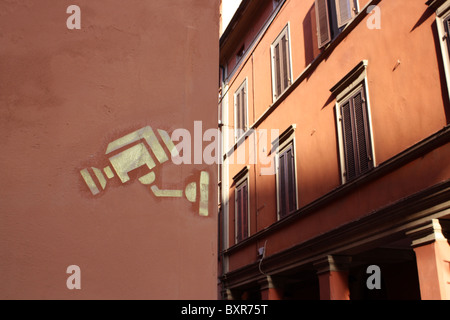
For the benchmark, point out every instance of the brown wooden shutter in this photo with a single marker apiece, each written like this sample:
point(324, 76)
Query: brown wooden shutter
point(239, 214)
point(243, 110)
point(291, 180)
point(344, 11)
point(356, 135)
point(362, 132)
point(278, 88)
point(245, 211)
point(238, 114)
point(322, 22)
point(282, 185)
point(349, 141)
point(286, 171)
point(284, 68)
point(242, 211)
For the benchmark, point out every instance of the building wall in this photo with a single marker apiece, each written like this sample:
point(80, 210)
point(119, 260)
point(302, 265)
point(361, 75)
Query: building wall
point(65, 96)
point(407, 105)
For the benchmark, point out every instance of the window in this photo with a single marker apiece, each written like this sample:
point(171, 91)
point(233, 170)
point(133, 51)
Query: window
point(331, 18)
point(443, 26)
point(275, 3)
point(242, 205)
point(446, 28)
point(354, 130)
point(286, 173)
point(240, 110)
point(281, 63)
point(240, 53)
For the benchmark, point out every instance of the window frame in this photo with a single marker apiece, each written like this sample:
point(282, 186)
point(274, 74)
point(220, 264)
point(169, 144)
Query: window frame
point(346, 89)
point(285, 141)
point(353, 12)
point(284, 32)
point(443, 14)
point(334, 24)
point(242, 87)
point(241, 179)
point(275, 3)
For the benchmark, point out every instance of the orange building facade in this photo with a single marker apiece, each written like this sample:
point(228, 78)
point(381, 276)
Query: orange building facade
point(334, 182)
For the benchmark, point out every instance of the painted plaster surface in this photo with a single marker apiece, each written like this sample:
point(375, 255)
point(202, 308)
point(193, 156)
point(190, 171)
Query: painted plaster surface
point(87, 178)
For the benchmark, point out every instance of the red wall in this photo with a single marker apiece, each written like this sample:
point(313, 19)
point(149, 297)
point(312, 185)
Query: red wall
point(64, 96)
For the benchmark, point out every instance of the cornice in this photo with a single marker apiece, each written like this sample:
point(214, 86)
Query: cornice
point(394, 222)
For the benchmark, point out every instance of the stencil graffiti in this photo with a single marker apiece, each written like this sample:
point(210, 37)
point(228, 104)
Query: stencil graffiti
point(137, 155)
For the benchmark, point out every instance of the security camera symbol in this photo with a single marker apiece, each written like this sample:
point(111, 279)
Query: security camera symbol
point(138, 156)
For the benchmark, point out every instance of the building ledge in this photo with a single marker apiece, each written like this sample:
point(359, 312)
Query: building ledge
point(393, 222)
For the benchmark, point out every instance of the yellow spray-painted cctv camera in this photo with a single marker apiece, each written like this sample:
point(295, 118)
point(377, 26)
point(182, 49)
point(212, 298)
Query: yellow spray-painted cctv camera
point(137, 156)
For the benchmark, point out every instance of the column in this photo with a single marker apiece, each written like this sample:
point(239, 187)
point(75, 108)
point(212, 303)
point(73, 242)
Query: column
point(269, 291)
point(433, 260)
point(228, 294)
point(333, 277)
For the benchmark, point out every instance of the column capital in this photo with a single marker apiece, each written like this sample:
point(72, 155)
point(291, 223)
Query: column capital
point(227, 294)
point(332, 263)
point(426, 233)
point(266, 283)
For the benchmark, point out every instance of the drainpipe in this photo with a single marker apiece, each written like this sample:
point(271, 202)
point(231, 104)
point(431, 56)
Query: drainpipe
point(221, 233)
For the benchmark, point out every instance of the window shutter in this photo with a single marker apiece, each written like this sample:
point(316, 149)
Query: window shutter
point(291, 180)
point(362, 132)
point(238, 115)
point(242, 212)
point(245, 211)
point(284, 69)
point(344, 10)
point(277, 70)
point(286, 171)
point(282, 185)
point(243, 110)
point(349, 141)
point(323, 22)
point(281, 63)
point(356, 135)
point(239, 214)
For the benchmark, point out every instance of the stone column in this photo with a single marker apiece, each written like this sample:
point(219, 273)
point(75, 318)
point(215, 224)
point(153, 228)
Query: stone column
point(433, 260)
point(269, 291)
point(333, 277)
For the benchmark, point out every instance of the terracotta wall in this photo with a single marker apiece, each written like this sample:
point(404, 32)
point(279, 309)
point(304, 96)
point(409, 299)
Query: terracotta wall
point(65, 95)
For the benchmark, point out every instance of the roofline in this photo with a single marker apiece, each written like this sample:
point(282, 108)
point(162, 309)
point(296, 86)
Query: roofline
point(237, 15)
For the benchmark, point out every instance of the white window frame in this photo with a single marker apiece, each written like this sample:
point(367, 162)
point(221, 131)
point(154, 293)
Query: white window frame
point(348, 86)
point(285, 31)
point(442, 13)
